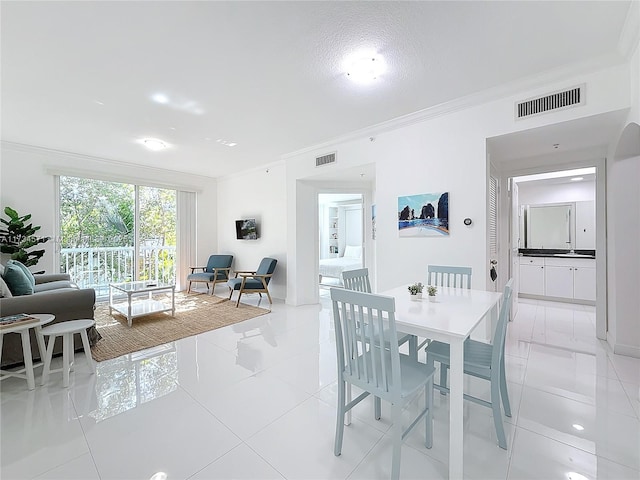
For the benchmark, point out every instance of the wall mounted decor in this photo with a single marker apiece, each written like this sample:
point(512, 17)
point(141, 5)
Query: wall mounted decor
point(424, 215)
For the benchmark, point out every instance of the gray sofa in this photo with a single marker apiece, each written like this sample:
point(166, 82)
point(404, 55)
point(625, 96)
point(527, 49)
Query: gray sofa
point(55, 294)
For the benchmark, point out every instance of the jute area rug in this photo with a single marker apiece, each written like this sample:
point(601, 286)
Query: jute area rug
point(195, 313)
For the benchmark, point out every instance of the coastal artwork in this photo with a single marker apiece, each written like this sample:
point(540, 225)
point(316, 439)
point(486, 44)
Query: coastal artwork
point(425, 215)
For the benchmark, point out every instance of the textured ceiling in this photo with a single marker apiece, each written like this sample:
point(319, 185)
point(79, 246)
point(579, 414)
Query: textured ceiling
point(80, 76)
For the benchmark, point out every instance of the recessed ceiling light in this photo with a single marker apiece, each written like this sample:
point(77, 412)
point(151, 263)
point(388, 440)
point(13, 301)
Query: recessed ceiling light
point(578, 427)
point(160, 98)
point(153, 144)
point(226, 143)
point(98, 102)
point(365, 67)
point(577, 179)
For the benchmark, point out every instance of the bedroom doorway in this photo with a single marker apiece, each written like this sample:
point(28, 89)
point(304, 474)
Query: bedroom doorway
point(341, 230)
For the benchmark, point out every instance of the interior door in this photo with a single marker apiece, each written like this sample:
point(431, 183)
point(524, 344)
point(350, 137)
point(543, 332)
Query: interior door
point(515, 244)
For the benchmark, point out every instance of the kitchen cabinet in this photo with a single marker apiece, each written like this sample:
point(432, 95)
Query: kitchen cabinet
point(558, 281)
point(531, 276)
point(556, 277)
point(584, 283)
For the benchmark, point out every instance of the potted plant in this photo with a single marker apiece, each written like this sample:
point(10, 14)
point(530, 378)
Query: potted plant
point(18, 237)
point(432, 290)
point(415, 291)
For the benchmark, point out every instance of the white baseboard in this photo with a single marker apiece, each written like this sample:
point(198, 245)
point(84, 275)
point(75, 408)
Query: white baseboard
point(627, 350)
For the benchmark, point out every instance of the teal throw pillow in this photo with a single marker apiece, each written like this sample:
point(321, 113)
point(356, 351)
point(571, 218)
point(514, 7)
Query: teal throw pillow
point(26, 271)
point(17, 280)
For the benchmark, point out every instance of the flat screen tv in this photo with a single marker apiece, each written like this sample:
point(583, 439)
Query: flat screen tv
point(247, 229)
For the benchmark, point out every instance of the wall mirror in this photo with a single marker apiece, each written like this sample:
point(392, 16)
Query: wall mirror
point(549, 226)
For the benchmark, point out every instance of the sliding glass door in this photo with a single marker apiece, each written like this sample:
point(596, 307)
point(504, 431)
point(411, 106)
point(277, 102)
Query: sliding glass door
point(116, 232)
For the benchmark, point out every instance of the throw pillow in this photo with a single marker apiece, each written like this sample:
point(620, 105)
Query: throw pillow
point(17, 280)
point(4, 289)
point(26, 271)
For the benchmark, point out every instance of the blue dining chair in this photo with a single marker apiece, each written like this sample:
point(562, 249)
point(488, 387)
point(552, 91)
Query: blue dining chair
point(364, 361)
point(485, 361)
point(446, 276)
point(253, 281)
point(216, 271)
point(358, 280)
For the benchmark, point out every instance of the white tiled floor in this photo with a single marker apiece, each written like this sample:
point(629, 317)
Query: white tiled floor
point(256, 400)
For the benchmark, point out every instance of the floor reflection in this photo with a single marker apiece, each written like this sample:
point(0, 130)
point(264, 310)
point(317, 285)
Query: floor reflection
point(129, 381)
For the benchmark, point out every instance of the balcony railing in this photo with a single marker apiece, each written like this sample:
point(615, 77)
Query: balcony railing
point(98, 267)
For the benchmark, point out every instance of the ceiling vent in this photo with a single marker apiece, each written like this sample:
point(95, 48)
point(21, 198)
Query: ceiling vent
point(554, 101)
point(326, 159)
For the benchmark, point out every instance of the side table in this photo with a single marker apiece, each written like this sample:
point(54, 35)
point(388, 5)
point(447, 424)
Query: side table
point(23, 330)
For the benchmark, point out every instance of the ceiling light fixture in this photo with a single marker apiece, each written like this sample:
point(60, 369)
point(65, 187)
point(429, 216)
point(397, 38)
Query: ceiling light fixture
point(577, 179)
point(160, 98)
point(226, 143)
point(578, 427)
point(365, 67)
point(153, 144)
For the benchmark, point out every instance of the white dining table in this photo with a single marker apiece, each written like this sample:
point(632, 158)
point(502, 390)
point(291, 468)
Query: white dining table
point(451, 318)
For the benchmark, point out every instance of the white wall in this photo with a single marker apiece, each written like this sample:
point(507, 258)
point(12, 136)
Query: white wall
point(27, 185)
point(445, 151)
point(259, 194)
point(623, 226)
point(530, 194)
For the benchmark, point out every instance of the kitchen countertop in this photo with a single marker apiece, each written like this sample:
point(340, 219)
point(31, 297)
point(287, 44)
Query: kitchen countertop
point(530, 252)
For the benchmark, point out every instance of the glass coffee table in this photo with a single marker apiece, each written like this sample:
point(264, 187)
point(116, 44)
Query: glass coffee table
point(134, 306)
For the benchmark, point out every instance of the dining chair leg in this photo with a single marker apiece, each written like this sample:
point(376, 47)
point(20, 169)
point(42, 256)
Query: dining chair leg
point(347, 416)
point(428, 391)
point(396, 415)
point(413, 347)
point(377, 408)
point(443, 377)
point(337, 448)
point(189, 289)
point(497, 414)
point(503, 389)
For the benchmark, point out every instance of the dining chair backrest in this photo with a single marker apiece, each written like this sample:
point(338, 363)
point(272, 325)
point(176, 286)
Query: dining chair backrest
point(501, 328)
point(447, 276)
point(357, 280)
point(364, 323)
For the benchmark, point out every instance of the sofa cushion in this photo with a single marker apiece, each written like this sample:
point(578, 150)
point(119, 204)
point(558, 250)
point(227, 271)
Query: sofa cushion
point(26, 271)
point(4, 289)
point(17, 280)
point(43, 287)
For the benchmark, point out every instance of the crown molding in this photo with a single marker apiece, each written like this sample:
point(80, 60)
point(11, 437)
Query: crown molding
point(116, 164)
point(630, 34)
point(540, 81)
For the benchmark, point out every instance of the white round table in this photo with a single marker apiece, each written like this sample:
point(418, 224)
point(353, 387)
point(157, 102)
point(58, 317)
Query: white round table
point(23, 330)
point(66, 330)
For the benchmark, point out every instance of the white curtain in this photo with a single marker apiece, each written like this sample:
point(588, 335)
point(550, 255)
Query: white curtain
point(186, 241)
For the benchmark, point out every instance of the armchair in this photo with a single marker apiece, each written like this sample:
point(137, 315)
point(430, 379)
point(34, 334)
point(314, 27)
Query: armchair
point(250, 281)
point(217, 271)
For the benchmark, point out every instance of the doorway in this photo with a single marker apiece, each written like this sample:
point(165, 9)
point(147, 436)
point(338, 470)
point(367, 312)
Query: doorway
point(341, 237)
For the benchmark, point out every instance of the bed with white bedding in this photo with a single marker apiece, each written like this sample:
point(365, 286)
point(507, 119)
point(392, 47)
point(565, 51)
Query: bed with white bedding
point(333, 267)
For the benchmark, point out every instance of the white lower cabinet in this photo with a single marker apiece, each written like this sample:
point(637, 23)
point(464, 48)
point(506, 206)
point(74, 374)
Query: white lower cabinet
point(532, 276)
point(568, 278)
point(584, 283)
point(558, 281)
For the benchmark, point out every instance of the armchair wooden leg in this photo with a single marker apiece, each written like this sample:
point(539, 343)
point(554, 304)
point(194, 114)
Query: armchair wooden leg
point(189, 289)
point(239, 295)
